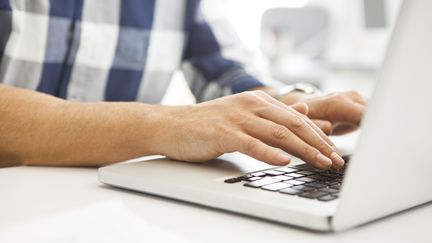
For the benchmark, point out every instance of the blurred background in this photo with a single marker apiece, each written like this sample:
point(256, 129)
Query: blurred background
point(334, 44)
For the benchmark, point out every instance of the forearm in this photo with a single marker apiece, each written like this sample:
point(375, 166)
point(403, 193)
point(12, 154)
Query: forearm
point(38, 129)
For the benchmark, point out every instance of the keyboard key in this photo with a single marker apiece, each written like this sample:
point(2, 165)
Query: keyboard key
point(235, 179)
point(253, 178)
point(305, 172)
point(295, 182)
point(329, 190)
point(313, 194)
point(307, 167)
point(274, 172)
point(259, 183)
point(258, 174)
point(290, 191)
point(276, 186)
point(306, 179)
point(327, 198)
point(316, 185)
point(286, 169)
point(320, 177)
point(295, 175)
point(303, 167)
point(335, 186)
point(304, 188)
point(282, 177)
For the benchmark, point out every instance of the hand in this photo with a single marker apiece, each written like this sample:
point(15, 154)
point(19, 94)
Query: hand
point(337, 113)
point(252, 123)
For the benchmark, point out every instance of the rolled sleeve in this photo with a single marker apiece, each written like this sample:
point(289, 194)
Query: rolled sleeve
point(214, 49)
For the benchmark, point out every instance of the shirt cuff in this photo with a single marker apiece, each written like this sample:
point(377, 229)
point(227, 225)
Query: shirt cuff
point(245, 83)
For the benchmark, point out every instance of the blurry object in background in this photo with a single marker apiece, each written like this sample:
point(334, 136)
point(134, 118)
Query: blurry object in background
point(361, 31)
point(294, 40)
point(375, 13)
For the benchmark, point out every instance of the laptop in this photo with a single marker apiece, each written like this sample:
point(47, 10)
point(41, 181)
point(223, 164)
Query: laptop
point(389, 171)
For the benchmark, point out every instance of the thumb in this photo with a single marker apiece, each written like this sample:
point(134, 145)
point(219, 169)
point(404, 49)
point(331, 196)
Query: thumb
point(301, 107)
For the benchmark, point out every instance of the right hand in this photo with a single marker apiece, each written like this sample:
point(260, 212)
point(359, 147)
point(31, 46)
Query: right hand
point(252, 123)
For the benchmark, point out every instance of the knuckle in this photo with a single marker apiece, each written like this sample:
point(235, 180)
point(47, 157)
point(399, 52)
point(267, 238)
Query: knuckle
point(238, 118)
point(249, 98)
point(322, 145)
point(298, 123)
point(309, 152)
point(280, 132)
point(251, 146)
point(355, 94)
point(259, 93)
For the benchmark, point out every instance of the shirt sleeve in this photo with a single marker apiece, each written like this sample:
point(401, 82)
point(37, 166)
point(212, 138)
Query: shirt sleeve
point(214, 49)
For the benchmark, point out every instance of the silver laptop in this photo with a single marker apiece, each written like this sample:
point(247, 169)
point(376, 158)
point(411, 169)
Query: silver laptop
point(390, 170)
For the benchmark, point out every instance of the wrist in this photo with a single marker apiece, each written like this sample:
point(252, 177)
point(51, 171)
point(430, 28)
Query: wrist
point(168, 128)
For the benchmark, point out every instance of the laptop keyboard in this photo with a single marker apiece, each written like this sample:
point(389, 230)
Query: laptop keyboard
point(300, 180)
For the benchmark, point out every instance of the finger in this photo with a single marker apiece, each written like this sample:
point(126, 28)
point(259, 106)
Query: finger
point(337, 159)
point(321, 133)
point(346, 112)
point(256, 149)
point(325, 126)
point(343, 128)
point(280, 136)
point(301, 128)
point(358, 98)
point(301, 108)
point(298, 106)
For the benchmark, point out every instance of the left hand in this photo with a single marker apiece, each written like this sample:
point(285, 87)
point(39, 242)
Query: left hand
point(336, 114)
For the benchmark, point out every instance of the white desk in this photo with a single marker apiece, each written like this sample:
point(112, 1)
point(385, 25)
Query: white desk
point(28, 193)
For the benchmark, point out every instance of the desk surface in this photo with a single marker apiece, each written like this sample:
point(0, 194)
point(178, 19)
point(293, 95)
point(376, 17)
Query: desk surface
point(29, 193)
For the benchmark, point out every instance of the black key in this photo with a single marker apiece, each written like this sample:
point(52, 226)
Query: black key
point(303, 167)
point(286, 169)
point(335, 186)
point(305, 172)
point(306, 179)
point(336, 172)
point(235, 179)
point(290, 191)
point(304, 188)
point(307, 167)
point(320, 177)
point(313, 194)
point(276, 186)
point(274, 172)
point(328, 183)
point(316, 185)
point(327, 198)
point(295, 175)
point(329, 190)
point(264, 181)
point(295, 182)
point(331, 175)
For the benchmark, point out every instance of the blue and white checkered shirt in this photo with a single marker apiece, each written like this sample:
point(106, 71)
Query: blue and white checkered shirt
point(116, 50)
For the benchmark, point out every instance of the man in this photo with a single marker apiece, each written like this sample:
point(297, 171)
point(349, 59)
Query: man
point(85, 52)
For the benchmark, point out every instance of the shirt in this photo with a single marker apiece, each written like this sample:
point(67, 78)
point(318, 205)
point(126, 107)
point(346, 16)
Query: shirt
point(116, 50)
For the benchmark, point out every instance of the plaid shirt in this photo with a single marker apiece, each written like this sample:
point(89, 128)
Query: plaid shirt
point(116, 50)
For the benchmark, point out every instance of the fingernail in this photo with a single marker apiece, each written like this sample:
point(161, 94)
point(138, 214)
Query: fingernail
point(339, 162)
point(324, 161)
point(283, 159)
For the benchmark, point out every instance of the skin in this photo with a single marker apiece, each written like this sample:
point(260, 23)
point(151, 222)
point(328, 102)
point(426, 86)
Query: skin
point(38, 129)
